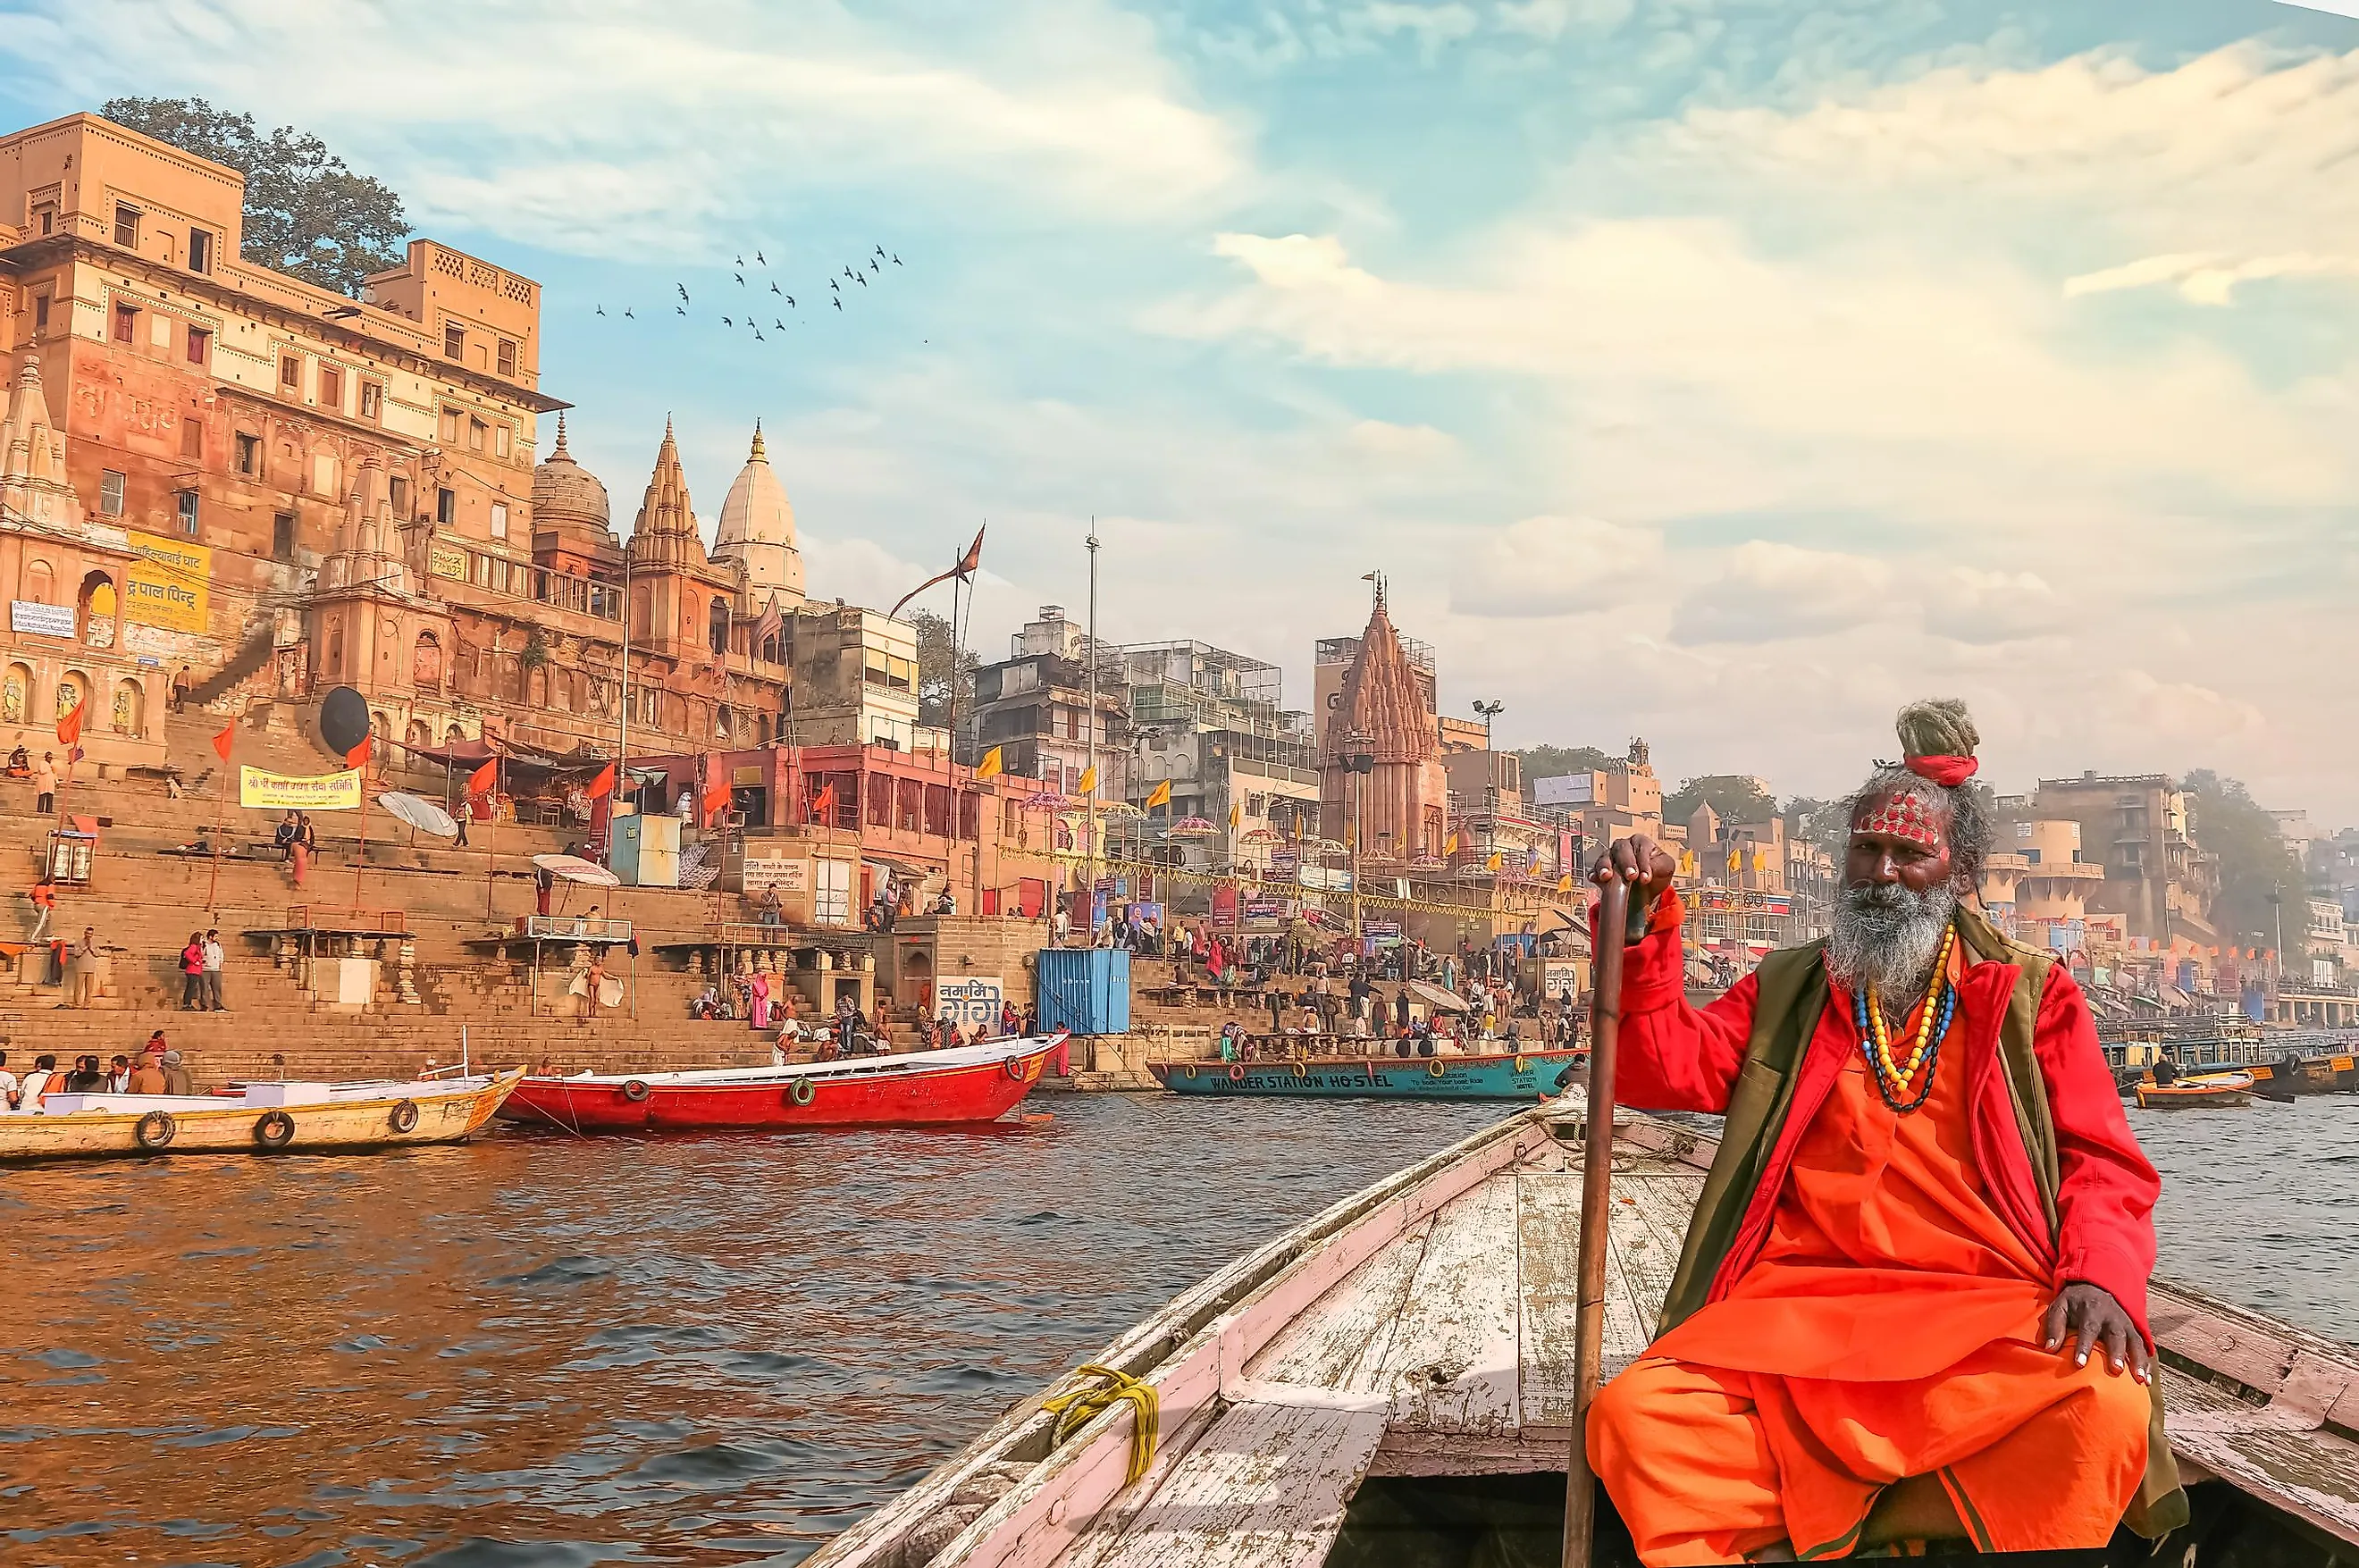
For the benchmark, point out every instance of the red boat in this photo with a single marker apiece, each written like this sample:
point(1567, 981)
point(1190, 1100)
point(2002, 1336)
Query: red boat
point(965, 1084)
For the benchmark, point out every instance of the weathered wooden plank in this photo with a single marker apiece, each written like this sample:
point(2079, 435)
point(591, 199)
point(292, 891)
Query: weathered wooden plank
point(1648, 1237)
point(1642, 1237)
point(1452, 1361)
point(1340, 1342)
point(1265, 1487)
point(2274, 1454)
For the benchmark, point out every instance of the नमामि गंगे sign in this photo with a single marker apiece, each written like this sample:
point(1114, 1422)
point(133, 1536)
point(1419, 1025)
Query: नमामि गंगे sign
point(969, 999)
point(296, 792)
point(170, 586)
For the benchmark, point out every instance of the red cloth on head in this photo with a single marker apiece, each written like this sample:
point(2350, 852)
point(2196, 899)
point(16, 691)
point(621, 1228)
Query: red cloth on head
point(1949, 772)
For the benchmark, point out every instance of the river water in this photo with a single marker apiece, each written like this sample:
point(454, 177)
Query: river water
point(534, 1350)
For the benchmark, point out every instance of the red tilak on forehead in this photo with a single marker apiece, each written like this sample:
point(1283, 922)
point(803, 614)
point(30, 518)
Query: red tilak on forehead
point(1904, 814)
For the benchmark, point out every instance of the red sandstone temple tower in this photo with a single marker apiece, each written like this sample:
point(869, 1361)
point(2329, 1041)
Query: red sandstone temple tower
point(1403, 804)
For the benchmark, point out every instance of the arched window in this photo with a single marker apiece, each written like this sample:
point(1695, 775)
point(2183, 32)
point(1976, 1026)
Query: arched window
point(511, 679)
point(454, 736)
point(40, 582)
point(333, 666)
point(418, 736)
point(721, 725)
point(536, 687)
point(717, 627)
point(426, 663)
point(642, 611)
point(130, 713)
point(95, 609)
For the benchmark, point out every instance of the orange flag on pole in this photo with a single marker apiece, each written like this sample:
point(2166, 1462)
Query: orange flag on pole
point(358, 756)
point(485, 780)
point(603, 785)
point(70, 726)
point(222, 741)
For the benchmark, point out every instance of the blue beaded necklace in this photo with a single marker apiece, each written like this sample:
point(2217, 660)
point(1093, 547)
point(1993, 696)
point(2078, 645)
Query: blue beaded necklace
point(1865, 1017)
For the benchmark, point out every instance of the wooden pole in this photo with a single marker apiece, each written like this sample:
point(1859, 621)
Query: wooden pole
point(221, 817)
point(492, 844)
point(360, 854)
point(1596, 1204)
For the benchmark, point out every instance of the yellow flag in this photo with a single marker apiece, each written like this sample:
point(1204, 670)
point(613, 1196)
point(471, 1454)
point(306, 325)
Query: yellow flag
point(1160, 796)
point(1236, 817)
point(1450, 845)
point(1735, 860)
point(1089, 784)
point(989, 766)
point(1687, 863)
point(1564, 883)
point(1493, 864)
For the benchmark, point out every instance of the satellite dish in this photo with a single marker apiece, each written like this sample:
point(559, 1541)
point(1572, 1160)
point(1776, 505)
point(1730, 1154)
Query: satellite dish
point(343, 721)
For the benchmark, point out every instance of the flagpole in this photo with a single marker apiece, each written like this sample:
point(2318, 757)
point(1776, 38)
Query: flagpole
point(220, 818)
point(1090, 882)
point(492, 844)
point(360, 857)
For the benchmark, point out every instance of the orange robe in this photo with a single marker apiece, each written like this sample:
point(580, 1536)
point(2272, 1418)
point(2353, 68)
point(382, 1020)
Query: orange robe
point(1889, 1328)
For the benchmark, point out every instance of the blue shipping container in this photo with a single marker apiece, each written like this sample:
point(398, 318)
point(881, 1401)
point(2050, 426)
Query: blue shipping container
point(1085, 990)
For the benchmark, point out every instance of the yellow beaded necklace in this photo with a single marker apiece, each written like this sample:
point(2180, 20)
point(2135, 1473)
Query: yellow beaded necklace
point(1892, 1078)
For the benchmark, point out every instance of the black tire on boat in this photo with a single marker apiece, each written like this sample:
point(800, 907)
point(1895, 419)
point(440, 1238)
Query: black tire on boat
point(274, 1130)
point(801, 1091)
point(403, 1117)
point(155, 1130)
point(634, 1091)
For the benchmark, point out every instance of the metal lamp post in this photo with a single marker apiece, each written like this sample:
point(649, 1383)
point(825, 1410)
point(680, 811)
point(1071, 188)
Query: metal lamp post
point(1360, 762)
point(1486, 712)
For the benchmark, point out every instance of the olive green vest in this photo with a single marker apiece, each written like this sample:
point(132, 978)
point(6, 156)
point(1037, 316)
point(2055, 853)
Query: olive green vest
point(1792, 998)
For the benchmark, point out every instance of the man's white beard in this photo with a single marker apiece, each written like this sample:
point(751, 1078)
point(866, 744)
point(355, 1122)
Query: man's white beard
point(1886, 936)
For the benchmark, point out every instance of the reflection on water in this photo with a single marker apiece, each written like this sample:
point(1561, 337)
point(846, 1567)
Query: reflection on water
point(535, 1350)
point(540, 1351)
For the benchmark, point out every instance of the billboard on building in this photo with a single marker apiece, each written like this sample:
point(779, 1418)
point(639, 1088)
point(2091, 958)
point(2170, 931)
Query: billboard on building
point(1566, 790)
point(170, 586)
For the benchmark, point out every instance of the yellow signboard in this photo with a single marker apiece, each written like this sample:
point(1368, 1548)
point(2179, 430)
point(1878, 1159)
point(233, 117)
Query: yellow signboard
point(170, 588)
point(446, 561)
point(294, 793)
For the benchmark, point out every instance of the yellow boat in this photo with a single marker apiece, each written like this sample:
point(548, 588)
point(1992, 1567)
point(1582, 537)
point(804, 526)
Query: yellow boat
point(258, 1118)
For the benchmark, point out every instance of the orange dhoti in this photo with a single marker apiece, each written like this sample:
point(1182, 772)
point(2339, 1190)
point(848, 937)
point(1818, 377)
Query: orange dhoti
point(1890, 1328)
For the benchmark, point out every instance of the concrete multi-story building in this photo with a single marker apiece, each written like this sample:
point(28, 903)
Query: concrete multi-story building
point(1035, 705)
point(855, 681)
point(2037, 882)
point(1214, 726)
point(213, 466)
point(2135, 829)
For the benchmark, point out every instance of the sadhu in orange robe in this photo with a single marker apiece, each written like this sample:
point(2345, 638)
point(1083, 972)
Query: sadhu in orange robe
point(1888, 1324)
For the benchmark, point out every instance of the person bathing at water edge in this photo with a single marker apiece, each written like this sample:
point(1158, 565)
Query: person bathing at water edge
point(1911, 1304)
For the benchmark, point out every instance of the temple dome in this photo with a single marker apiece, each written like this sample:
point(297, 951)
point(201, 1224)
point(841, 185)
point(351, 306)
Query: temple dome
point(565, 492)
point(757, 527)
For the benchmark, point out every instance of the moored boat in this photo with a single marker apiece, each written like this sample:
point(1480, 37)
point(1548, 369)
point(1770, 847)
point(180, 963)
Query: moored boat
point(1527, 1075)
point(967, 1083)
point(266, 1118)
point(1392, 1382)
point(2196, 1090)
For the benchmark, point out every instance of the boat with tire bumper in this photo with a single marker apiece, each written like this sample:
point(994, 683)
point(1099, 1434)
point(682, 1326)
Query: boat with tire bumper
point(961, 1085)
point(258, 1118)
point(1528, 1075)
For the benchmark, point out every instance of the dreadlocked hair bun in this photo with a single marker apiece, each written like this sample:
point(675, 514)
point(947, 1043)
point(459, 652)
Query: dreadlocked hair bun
point(1937, 726)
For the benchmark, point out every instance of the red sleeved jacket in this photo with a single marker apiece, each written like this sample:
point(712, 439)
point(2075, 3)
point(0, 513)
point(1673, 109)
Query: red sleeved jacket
point(1674, 1056)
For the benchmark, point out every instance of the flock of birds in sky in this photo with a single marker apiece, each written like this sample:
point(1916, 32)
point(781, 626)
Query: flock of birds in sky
point(744, 308)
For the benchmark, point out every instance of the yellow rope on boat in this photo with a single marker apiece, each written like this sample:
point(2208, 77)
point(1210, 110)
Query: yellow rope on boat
point(1075, 1408)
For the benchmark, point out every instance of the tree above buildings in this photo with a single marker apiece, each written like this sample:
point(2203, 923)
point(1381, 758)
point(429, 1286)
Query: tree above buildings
point(1556, 761)
point(936, 664)
point(1733, 797)
point(307, 213)
point(2255, 865)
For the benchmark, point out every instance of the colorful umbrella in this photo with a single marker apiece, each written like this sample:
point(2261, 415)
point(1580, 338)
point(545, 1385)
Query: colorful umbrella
point(1259, 836)
point(1193, 827)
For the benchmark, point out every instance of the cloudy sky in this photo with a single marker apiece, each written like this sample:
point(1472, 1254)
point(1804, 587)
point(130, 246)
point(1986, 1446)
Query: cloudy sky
point(1723, 371)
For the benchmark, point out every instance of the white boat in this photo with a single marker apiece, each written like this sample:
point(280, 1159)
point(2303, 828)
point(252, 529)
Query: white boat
point(1392, 1382)
point(269, 1119)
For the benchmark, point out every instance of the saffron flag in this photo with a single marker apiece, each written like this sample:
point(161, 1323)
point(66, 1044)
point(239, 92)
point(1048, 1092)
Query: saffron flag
point(603, 785)
point(1088, 783)
point(989, 766)
point(1734, 860)
point(359, 755)
point(1493, 863)
point(1534, 869)
point(715, 799)
point(823, 803)
point(484, 781)
point(1564, 883)
point(1160, 796)
point(1236, 817)
point(70, 726)
point(222, 741)
point(1450, 846)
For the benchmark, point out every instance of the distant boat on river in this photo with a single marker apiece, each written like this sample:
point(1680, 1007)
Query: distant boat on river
point(2195, 1090)
point(258, 1118)
point(967, 1083)
point(1511, 1075)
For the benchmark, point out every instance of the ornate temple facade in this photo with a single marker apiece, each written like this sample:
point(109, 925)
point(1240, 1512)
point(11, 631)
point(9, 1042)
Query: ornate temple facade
point(213, 466)
point(1381, 711)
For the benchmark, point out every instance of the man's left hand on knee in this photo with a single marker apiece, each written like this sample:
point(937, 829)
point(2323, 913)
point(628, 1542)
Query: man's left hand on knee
point(2087, 1316)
